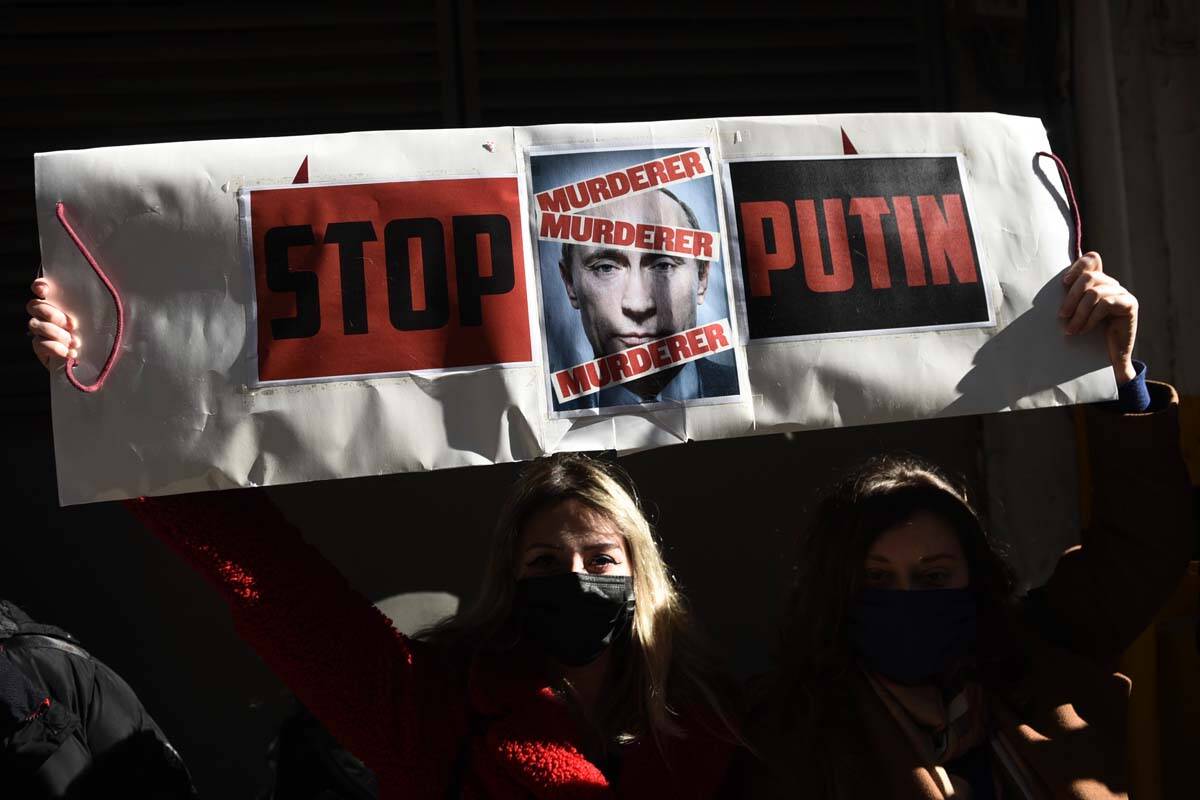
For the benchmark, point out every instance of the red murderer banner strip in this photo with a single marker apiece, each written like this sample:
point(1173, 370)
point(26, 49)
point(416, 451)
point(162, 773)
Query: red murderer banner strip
point(645, 237)
point(641, 360)
point(645, 177)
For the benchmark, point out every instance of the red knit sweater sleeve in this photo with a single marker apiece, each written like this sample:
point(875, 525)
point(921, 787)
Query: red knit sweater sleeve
point(341, 656)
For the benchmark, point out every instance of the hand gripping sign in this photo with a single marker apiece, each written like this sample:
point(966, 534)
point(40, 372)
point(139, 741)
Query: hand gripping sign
point(443, 298)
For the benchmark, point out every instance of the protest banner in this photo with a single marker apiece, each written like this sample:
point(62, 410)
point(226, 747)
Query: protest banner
point(416, 300)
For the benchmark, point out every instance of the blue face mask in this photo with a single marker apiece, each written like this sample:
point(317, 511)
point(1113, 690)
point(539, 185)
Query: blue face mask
point(913, 637)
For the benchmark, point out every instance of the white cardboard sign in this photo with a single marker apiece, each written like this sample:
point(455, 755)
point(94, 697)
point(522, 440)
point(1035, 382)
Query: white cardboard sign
point(434, 299)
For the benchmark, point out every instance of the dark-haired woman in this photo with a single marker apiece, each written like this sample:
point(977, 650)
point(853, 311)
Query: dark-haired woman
point(908, 669)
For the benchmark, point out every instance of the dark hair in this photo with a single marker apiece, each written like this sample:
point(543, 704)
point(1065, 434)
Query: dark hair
point(879, 494)
point(811, 689)
point(568, 249)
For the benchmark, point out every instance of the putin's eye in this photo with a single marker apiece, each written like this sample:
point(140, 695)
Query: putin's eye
point(603, 267)
point(663, 265)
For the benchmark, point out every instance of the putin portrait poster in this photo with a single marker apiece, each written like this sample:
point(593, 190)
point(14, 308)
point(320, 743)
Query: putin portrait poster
point(636, 297)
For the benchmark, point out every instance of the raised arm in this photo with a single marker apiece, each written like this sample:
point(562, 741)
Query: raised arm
point(341, 656)
point(1105, 592)
point(371, 687)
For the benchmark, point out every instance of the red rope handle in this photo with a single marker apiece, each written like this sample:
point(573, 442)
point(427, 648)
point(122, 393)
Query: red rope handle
point(61, 213)
point(1071, 203)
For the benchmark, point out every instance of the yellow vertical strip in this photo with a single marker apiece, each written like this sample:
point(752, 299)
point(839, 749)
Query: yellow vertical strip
point(1083, 466)
point(1179, 686)
point(1189, 434)
point(1139, 662)
point(1178, 654)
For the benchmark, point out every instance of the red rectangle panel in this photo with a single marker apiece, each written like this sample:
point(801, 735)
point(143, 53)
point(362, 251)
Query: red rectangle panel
point(371, 278)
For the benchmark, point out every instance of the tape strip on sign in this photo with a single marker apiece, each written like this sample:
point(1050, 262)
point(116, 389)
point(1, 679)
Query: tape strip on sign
point(640, 236)
point(641, 360)
point(647, 176)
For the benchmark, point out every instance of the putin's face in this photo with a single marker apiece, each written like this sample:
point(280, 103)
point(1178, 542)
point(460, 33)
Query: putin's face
point(625, 297)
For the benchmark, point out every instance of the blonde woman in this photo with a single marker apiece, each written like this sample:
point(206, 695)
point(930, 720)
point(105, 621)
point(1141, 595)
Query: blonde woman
point(574, 675)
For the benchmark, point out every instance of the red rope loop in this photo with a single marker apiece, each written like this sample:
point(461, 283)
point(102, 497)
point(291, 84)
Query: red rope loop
point(1071, 203)
point(113, 354)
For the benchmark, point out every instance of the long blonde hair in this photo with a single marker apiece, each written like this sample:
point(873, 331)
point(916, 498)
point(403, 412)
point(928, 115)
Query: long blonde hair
point(665, 664)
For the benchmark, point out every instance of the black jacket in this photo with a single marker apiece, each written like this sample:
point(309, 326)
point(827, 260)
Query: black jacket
point(70, 727)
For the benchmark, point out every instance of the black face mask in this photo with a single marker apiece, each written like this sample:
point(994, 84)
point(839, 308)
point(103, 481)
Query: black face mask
point(574, 616)
point(913, 636)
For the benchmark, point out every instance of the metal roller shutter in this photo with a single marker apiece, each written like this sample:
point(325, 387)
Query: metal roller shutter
point(77, 75)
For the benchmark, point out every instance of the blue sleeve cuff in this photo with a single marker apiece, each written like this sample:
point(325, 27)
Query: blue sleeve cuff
point(1132, 396)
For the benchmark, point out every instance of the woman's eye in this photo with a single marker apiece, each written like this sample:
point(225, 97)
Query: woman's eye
point(939, 578)
point(602, 562)
point(877, 577)
point(544, 560)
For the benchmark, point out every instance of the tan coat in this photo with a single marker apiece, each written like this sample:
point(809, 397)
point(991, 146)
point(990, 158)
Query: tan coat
point(1065, 715)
